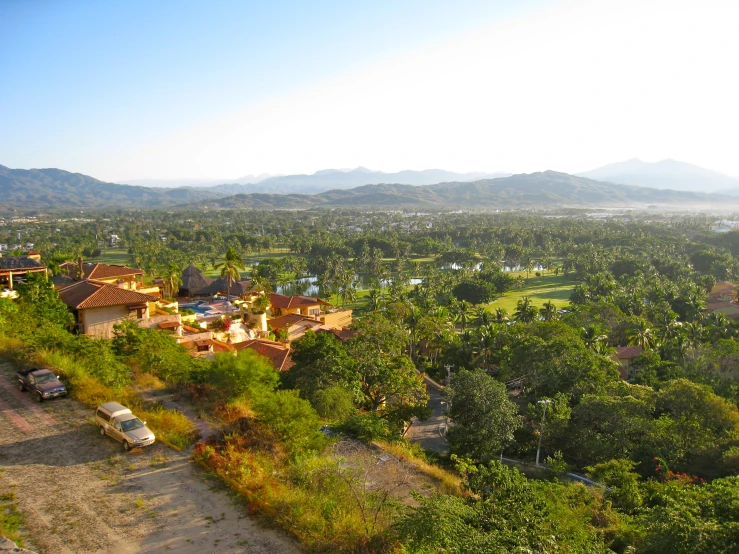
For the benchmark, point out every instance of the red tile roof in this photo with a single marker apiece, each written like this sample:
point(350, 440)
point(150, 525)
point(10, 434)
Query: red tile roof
point(277, 353)
point(295, 301)
point(344, 334)
point(289, 320)
point(95, 294)
point(628, 352)
point(93, 270)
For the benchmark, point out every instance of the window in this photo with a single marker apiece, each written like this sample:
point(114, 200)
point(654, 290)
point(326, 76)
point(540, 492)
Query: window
point(117, 425)
point(102, 415)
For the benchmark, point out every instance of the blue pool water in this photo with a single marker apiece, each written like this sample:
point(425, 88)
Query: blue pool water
point(198, 308)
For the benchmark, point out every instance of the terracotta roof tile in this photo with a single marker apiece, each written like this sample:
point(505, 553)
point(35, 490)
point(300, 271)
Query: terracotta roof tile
point(295, 301)
point(277, 353)
point(95, 294)
point(344, 334)
point(95, 270)
point(288, 320)
point(628, 352)
point(105, 271)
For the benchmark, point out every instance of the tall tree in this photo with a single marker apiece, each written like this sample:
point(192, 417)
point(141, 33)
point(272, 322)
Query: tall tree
point(484, 417)
point(230, 269)
point(525, 312)
point(172, 279)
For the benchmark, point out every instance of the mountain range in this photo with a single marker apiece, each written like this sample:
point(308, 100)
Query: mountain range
point(58, 189)
point(665, 174)
point(320, 181)
point(174, 183)
point(546, 189)
point(49, 189)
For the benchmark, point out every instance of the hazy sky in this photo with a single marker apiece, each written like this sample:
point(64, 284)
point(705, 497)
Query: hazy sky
point(168, 89)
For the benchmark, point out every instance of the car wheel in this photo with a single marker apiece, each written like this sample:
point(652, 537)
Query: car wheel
point(39, 398)
point(126, 446)
point(102, 431)
point(21, 387)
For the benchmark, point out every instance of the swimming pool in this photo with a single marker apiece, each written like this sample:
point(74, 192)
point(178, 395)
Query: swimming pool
point(202, 309)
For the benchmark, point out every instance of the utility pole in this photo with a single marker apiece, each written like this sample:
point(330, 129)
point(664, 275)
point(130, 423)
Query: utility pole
point(541, 431)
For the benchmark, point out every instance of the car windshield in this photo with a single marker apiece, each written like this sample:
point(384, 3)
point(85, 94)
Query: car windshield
point(44, 378)
point(132, 424)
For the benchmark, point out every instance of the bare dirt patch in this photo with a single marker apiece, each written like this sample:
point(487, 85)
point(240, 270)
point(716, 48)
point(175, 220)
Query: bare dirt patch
point(81, 493)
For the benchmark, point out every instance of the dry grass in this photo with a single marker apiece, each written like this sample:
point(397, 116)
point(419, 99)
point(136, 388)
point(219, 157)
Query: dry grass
point(309, 499)
point(143, 380)
point(448, 482)
point(169, 425)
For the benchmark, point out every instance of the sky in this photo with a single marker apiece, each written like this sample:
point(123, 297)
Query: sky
point(221, 89)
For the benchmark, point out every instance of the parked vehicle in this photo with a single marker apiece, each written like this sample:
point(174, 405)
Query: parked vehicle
point(42, 382)
point(117, 421)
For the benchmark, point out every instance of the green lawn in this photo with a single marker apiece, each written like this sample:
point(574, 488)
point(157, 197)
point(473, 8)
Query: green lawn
point(114, 256)
point(540, 290)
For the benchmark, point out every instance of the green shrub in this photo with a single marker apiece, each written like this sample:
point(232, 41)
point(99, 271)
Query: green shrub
point(367, 427)
point(293, 419)
point(334, 403)
point(245, 375)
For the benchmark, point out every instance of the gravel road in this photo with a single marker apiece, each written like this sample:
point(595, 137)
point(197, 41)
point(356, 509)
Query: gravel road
point(82, 494)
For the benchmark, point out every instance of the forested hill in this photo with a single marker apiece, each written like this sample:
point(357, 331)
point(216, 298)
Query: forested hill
point(56, 188)
point(542, 189)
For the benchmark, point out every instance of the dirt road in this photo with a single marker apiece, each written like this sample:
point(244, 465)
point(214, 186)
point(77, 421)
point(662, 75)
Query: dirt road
point(82, 494)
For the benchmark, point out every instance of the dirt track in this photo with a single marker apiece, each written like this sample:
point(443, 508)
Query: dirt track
point(82, 494)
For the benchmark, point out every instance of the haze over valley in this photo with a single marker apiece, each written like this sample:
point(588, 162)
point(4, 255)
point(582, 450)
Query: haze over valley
point(438, 189)
point(369, 277)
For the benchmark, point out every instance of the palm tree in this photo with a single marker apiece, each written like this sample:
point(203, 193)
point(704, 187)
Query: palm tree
point(461, 313)
point(172, 280)
point(528, 265)
point(603, 349)
point(412, 321)
point(593, 336)
point(669, 331)
point(718, 326)
point(693, 333)
point(487, 336)
point(641, 335)
point(501, 315)
point(230, 267)
point(548, 311)
point(348, 292)
point(376, 300)
point(525, 312)
point(482, 316)
point(695, 306)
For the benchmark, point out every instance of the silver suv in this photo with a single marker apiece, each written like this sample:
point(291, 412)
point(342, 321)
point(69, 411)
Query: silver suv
point(118, 422)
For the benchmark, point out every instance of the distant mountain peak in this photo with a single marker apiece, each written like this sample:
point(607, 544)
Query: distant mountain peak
point(664, 174)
